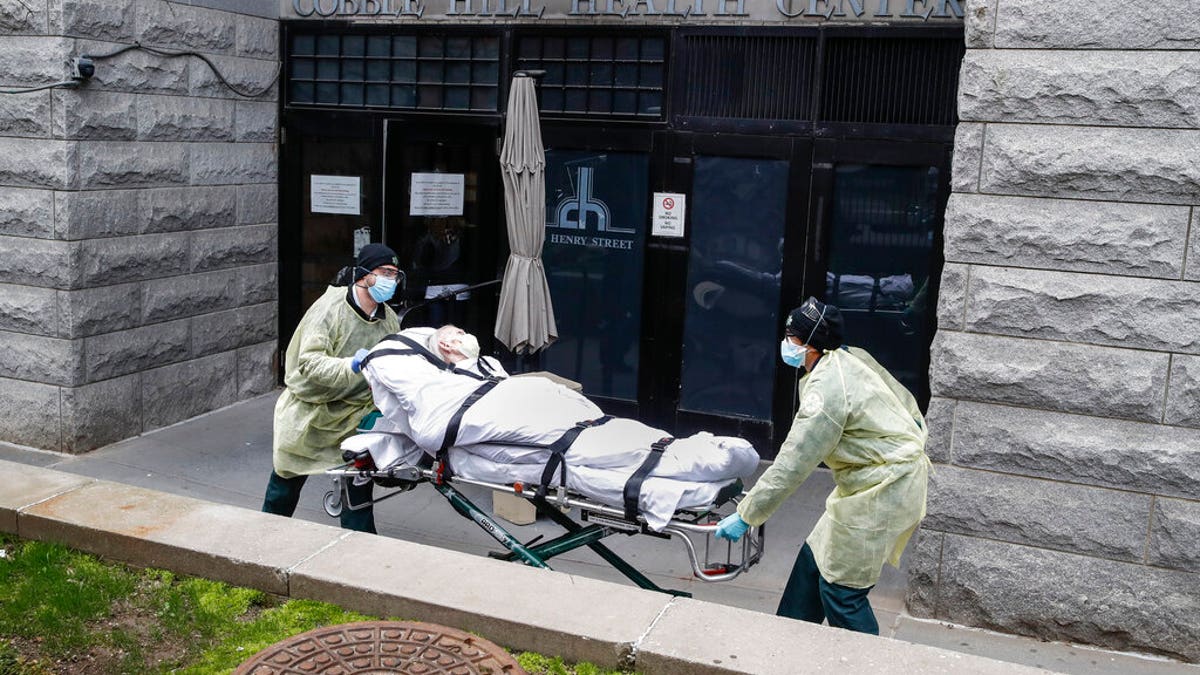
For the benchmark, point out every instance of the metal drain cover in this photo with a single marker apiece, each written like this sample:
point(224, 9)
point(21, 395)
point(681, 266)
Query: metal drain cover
point(374, 647)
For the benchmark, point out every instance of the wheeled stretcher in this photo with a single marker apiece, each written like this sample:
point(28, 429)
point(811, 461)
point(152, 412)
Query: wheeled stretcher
point(711, 560)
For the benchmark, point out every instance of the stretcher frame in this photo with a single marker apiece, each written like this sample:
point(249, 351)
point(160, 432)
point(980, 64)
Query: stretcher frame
point(603, 521)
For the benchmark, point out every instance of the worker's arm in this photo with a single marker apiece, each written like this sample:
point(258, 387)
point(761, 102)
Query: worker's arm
point(815, 433)
point(321, 377)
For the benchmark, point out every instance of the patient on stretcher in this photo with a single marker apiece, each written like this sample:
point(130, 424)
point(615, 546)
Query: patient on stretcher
point(438, 396)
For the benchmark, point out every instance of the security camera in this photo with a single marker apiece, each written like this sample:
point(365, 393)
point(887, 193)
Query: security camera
point(82, 68)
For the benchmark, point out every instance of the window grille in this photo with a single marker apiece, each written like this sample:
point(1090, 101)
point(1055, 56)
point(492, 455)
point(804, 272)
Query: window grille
point(891, 80)
point(747, 77)
point(423, 72)
point(598, 75)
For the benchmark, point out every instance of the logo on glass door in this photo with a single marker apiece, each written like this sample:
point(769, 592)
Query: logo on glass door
point(583, 211)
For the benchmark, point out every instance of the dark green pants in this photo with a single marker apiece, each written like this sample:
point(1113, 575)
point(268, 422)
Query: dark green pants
point(808, 597)
point(284, 493)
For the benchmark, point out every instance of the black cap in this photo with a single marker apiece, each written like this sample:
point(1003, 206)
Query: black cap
point(817, 324)
point(372, 256)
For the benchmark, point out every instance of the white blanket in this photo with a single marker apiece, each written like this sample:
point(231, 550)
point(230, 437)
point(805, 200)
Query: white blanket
point(418, 399)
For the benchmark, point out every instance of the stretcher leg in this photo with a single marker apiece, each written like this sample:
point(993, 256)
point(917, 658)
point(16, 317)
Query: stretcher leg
point(468, 510)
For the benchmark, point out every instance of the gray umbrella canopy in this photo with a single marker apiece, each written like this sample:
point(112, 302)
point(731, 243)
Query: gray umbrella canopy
point(525, 319)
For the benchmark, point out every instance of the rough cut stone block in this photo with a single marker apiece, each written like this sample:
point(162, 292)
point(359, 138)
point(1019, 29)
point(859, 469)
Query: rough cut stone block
point(28, 309)
point(258, 38)
point(95, 115)
point(101, 413)
point(1136, 89)
point(1183, 391)
point(98, 19)
point(178, 118)
point(28, 16)
point(138, 72)
point(117, 164)
point(1175, 534)
point(952, 296)
point(190, 208)
point(187, 389)
point(257, 122)
point(93, 214)
point(1143, 165)
point(191, 294)
point(258, 204)
point(1072, 598)
point(100, 309)
point(1192, 272)
point(258, 284)
point(1134, 456)
point(224, 331)
point(40, 358)
point(923, 567)
point(232, 163)
point(155, 529)
point(256, 369)
point(26, 213)
point(1085, 308)
point(181, 27)
point(36, 162)
point(233, 246)
point(24, 60)
point(1104, 381)
point(250, 76)
point(23, 260)
point(939, 419)
point(979, 23)
point(130, 351)
point(1068, 235)
point(1105, 523)
point(119, 259)
point(29, 414)
point(25, 114)
point(1096, 24)
point(968, 153)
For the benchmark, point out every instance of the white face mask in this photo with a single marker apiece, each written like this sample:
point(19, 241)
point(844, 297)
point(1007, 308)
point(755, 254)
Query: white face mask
point(468, 346)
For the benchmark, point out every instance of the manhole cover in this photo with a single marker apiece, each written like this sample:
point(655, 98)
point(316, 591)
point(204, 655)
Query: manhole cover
point(381, 647)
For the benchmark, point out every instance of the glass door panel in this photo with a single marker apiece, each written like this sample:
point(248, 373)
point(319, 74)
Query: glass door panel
point(595, 236)
point(733, 283)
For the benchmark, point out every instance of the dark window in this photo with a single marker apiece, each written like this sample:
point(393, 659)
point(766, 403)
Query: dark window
point(891, 80)
point(429, 72)
point(747, 77)
point(598, 75)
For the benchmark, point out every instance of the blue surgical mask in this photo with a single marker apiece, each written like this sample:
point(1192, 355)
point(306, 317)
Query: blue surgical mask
point(383, 289)
point(792, 354)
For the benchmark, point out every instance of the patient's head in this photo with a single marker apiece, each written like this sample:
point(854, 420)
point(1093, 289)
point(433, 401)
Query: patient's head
point(453, 344)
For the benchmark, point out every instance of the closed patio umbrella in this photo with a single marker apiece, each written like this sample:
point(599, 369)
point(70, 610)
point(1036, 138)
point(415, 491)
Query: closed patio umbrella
point(525, 319)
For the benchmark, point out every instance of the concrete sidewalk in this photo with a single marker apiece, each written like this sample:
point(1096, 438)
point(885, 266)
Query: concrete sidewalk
point(225, 457)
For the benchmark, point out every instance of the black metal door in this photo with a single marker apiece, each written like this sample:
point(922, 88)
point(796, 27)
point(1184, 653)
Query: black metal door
point(715, 298)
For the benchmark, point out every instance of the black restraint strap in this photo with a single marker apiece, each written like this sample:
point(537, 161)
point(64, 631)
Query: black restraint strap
point(422, 350)
point(560, 447)
point(452, 429)
point(633, 486)
point(387, 352)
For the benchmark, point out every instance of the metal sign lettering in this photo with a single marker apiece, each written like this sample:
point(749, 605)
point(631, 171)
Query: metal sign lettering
point(647, 10)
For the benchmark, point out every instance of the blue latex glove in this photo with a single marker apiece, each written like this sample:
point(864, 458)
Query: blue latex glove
point(732, 527)
point(356, 360)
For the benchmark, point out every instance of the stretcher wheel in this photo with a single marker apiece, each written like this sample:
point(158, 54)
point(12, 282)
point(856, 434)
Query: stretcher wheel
point(333, 503)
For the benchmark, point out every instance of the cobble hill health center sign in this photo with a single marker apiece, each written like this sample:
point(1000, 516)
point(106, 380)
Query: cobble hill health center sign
point(647, 10)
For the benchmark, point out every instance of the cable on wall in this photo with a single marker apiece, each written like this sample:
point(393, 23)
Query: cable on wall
point(212, 66)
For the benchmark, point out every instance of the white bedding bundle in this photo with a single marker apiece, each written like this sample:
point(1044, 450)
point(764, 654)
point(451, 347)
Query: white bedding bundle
point(497, 435)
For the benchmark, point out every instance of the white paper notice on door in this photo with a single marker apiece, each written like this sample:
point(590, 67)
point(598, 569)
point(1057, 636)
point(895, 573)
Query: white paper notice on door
point(437, 194)
point(336, 194)
point(669, 208)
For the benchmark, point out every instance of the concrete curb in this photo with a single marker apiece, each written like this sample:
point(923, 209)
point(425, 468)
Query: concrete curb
point(520, 607)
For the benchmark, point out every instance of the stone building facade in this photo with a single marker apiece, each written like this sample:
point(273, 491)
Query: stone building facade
point(1065, 503)
point(138, 228)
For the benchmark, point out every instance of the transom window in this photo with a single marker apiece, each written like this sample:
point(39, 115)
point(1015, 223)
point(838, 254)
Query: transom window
point(605, 75)
point(427, 72)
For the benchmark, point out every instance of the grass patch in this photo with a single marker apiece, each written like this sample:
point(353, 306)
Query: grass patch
point(66, 611)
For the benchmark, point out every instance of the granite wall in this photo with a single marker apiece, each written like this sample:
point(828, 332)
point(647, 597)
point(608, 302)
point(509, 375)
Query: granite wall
point(138, 227)
point(1065, 502)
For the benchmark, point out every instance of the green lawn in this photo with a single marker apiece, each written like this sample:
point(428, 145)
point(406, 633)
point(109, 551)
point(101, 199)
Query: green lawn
point(61, 610)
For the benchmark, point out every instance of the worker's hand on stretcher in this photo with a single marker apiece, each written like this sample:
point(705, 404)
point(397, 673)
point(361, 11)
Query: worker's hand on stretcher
point(357, 359)
point(732, 527)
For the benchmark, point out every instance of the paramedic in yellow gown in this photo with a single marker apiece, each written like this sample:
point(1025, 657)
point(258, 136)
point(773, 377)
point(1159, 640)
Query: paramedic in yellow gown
point(866, 427)
point(326, 394)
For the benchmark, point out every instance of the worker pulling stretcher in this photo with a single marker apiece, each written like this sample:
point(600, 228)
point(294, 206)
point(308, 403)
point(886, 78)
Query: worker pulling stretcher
point(439, 398)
